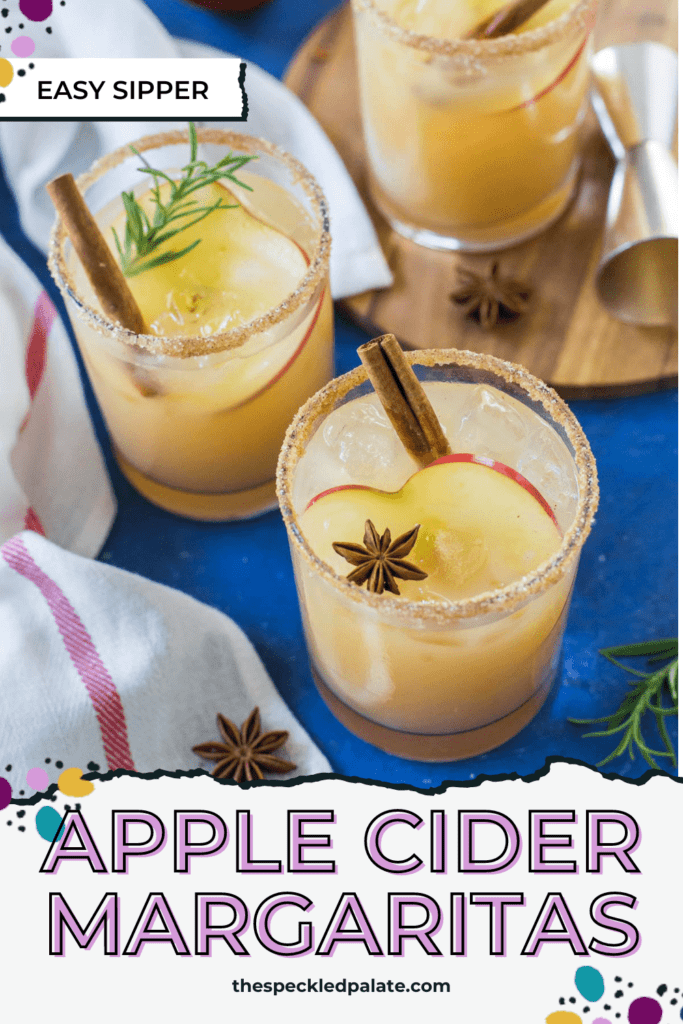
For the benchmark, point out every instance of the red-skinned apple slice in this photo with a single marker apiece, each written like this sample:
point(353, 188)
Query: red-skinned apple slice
point(483, 525)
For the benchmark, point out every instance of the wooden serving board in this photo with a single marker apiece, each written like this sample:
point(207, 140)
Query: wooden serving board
point(566, 337)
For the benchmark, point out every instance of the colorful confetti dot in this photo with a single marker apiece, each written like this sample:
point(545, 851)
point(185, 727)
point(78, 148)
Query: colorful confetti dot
point(23, 46)
point(47, 823)
point(563, 1017)
point(644, 1011)
point(72, 783)
point(601, 1020)
point(37, 778)
point(589, 983)
point(36, 10)
point(5, 793)
point(6, 72)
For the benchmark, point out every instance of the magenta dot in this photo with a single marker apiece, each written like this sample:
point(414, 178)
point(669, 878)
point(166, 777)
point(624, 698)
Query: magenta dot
point(36, 10)
point(5, 793)
point(23, 46)
point(644, 1011)
point(601, 1020)
point(37, 778)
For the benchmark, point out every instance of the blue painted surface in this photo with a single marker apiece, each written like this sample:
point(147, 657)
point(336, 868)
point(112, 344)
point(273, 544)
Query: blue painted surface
point(626, 588)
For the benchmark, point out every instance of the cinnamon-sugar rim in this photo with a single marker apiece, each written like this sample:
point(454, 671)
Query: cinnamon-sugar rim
point(505, 599)
point(580, 14)
point(197, 345)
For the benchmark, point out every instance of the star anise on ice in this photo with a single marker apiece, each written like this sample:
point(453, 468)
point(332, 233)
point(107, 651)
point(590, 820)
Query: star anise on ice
point(380, 560)
point(490, 297)
point(245, 753)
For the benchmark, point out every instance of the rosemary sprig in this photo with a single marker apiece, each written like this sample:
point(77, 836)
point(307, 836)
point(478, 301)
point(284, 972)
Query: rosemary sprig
point(143, 237)
point(655, 691)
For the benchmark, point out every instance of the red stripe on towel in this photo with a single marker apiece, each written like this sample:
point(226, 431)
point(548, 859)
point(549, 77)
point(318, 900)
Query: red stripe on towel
point(32, 522)
point(99, 684)
point(44, 316)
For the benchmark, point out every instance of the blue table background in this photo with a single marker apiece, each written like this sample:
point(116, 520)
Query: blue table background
point(627, 583)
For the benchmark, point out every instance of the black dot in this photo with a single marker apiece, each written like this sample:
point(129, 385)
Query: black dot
point(21, 26)
point(2, 97)
point(617, 1015)
point(630, 984)
point(673, 1002)
point(586, 1009)
point(617, 979)
point(607, 1006)
point(53, 798)
point(571, 999)
point(92, 767)
point(5, 12)
point(21, 792)
point(8, 29)
point(67, 807)
point(561, 1000)
point(20, 814)
point(31, 66)
point(47, 760)
point(22, 828)
point(21, 73)
point(676, 990)
point(59, 764)
point(8, 768)
point(661, 990)
point(9, 822)
point(48, 30)
point(618, 994)
point(78, 807)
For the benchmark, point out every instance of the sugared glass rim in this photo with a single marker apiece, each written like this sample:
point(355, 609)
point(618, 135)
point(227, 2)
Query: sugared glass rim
point(198, 345)
point(580, 15)
point(442, 613)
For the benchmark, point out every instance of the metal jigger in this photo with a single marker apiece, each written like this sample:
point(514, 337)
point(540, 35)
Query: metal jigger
point(635, 99)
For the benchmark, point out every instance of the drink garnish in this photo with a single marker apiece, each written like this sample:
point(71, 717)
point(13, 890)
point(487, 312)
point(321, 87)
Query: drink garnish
point(245, 753)
point(379, 560)
point(506, 20)
point(143, 237)
point(649, 693)
point(488, 297)
point(409, 410)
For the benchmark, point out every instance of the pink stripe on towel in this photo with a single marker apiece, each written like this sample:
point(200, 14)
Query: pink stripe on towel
point(99, 684)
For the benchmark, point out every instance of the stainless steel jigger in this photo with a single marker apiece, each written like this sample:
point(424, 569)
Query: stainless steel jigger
point(635, 96)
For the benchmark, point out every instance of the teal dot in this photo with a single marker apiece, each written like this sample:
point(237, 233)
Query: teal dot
point(47, 823)
point(589, 983)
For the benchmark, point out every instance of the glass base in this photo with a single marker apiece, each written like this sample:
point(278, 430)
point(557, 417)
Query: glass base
point(421, 747)
point(501, 235)
point(208, 507)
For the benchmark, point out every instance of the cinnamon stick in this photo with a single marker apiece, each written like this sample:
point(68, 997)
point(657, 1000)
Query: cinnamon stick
point(104, 273)
point(506, 20)
point(404, 400)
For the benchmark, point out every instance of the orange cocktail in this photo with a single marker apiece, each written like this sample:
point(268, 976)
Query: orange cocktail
point(239, 327)
point(471, 143)
point(466, 652)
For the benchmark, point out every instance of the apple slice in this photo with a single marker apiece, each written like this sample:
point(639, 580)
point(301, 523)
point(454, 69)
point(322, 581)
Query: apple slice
point(482, 525)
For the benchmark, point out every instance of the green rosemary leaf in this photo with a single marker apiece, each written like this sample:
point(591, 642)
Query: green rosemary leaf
point(144, 234)
point(646, 695)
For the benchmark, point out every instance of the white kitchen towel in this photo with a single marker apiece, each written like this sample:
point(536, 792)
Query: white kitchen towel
point(33, 153)
point(52, 475)
point(100, 665)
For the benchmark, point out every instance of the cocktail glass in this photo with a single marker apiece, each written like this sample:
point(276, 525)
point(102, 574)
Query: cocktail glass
point(436, 679)
point(472, 144)
point(196, 422)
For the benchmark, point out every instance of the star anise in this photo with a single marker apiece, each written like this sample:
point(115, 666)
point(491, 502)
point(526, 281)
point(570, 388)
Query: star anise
point(380, 560)
point(490, 297)
point(245, 753)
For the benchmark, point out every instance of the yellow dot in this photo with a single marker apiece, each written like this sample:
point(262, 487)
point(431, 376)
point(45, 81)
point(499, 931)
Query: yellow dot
point(6, 72)
point(563, 1017)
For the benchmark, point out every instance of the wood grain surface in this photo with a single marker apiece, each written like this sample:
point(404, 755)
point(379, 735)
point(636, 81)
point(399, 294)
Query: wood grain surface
point(566, 337)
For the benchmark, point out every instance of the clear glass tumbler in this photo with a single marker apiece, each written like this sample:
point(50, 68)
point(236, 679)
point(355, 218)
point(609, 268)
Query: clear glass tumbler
point(196, 422)
point(433, 679)
point(472, 144)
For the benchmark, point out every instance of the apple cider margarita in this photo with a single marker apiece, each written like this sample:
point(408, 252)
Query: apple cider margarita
point(434, 596)
point(472, 139)
point(227, 259)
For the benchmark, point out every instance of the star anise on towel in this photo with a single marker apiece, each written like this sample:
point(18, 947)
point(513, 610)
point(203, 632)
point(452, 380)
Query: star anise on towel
point(489, 297)
point(245, 753)
point(380, 560)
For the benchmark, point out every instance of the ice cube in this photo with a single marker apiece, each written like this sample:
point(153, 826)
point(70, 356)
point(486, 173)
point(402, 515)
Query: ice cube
point(362, 438)
point(490, 425)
